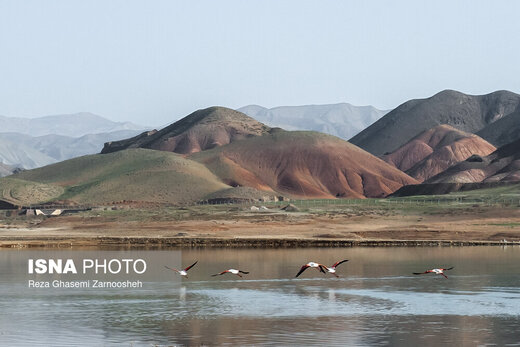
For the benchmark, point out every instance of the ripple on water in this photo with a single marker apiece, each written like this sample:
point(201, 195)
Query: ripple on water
point(373, 303)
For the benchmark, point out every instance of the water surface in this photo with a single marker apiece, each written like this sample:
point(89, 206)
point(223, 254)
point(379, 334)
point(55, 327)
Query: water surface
point(377, 300)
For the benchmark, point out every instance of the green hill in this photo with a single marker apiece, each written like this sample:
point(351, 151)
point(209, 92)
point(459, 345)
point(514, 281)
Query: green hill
point(133, 175)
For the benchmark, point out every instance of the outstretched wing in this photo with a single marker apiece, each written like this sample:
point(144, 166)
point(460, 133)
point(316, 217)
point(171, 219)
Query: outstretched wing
point(169, 268)
point(189, 267)
point(303, 268)
point(220, 273)
point(244, 272)
point(448, 269)
point(339, 262)
point(421, 273)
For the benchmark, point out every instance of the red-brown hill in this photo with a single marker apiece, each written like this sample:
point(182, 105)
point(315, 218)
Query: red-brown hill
point(201, 130)
point(503, 165)
point(304, 165)
point(435, 150)
point(470, 113)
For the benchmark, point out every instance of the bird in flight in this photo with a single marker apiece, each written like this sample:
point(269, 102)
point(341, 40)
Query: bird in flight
point(232, 271)
point(312, 264)
point(182, 272)
point(434, 271)
point(332, 269)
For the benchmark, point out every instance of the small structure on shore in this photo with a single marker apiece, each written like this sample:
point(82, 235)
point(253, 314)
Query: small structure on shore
point(48, 212)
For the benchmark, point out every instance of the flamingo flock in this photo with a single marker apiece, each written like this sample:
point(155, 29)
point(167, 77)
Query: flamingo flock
point(320, 267)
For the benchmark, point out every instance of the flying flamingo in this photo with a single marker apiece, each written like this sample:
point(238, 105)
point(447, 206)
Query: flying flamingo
point(435, 271)
point(182, 272)
point(332, 269)
point(318, 266)
point(232, 271)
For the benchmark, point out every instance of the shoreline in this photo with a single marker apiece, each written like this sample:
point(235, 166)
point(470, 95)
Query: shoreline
point(197, 242)
point(229, 227)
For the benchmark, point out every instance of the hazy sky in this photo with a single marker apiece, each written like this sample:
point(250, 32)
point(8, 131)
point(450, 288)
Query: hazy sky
point(152, 62)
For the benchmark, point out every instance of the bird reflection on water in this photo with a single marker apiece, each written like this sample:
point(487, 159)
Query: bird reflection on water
point(376, 301)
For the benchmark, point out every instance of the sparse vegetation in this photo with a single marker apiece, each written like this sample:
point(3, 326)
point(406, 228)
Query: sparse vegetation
point(18, 191)
point(132, 175)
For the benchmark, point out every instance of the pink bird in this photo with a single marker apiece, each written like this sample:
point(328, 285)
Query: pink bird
point(232, 271)
point(435, 271)
point(182, 272)
point(332, 269)
point(312, 264)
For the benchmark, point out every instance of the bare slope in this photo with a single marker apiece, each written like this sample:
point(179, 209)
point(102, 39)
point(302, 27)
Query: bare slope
point(468, 113)
point(304, 165)
point(201, 130)
point(435, 150)
point(504, 130)
point(132, 175)
point(503, 165)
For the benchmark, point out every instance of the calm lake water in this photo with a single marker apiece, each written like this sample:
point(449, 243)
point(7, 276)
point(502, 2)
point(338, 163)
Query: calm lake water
point(377, 300)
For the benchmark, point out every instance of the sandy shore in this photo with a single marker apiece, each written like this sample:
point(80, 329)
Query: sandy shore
point(490, 225)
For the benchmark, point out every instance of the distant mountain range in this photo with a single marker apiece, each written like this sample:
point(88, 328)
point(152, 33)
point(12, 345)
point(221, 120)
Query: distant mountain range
point(29, 152)
point(341, 120)
point(31, 143)
point(16, 154)
point(72, 125)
